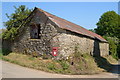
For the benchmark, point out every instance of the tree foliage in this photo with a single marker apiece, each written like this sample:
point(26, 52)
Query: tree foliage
point(109, 27)
point(16, 19)
point(109, 24)
point(113, 46)
point(92, 30)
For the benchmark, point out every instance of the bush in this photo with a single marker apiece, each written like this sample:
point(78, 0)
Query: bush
point(5, 51)
point(10, 34)
point(113, 49)
point(113, 46)
point(77, 54)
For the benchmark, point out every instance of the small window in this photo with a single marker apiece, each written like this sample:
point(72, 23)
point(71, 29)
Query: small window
point(35, 31)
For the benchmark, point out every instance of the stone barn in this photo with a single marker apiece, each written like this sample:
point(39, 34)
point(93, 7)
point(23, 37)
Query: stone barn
point(44, 33)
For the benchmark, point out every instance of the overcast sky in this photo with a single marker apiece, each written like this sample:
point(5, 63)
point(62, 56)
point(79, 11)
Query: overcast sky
point(85, 14)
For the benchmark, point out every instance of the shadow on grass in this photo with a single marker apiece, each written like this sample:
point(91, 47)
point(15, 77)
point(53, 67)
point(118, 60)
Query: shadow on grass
point(5, 51)
point(104, 64)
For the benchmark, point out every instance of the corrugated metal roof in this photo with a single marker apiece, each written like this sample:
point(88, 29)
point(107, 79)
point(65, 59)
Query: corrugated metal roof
point(64, 24)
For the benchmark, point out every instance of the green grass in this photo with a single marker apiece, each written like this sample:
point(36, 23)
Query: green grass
point(111, 60)
point(82, 63)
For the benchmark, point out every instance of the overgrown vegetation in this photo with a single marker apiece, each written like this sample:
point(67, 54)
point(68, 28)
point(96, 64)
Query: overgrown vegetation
point(83, 63)
point(10, 34)
point(82, 66)
point(5, 51)
point(113, 46)
point(39, 63)
point(77, 63)
point(16, 19)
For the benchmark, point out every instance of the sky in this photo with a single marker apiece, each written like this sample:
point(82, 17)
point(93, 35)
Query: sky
point(85, 14)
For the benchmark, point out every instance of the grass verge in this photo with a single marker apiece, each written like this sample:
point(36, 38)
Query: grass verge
point(79, 64)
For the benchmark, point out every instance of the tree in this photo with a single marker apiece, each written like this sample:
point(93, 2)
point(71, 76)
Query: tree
point(113, 46)
point(92, 30)
point(109, 27)
point(15, 20)
point(109, 24)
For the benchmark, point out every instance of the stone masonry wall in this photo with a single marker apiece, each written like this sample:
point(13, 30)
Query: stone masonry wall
point(104, 49)
point(68, 42)
point(52, 36)
point(24, 44)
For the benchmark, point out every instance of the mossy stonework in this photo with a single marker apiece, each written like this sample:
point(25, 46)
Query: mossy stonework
point(41, 34)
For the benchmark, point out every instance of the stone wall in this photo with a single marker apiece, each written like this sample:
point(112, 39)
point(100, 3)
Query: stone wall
point(24, 44)
point(104, 49)
point(68, 41)
point(53, 36)
point(67, 44)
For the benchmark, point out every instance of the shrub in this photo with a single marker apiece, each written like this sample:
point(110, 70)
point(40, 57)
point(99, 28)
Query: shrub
point(77, 54)
point(10, 34)
point(5, 51)
point(113, 46)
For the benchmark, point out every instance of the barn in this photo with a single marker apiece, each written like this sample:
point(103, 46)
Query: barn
point(45, 33)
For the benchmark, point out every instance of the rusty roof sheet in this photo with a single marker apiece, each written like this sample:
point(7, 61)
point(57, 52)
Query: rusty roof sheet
point(64, 24)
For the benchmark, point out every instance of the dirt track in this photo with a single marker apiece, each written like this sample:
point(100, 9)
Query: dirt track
point(10, 70)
